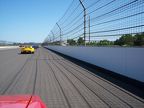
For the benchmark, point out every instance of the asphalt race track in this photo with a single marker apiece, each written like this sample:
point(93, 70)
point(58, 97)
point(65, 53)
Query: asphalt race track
point(59, 82)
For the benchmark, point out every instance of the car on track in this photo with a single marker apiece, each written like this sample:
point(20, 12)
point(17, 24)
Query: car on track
point(35, 46)
point(21, 101)
point(27, 50)
point(21, 46)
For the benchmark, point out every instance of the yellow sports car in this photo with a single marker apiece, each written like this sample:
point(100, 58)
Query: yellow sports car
point(27, 49)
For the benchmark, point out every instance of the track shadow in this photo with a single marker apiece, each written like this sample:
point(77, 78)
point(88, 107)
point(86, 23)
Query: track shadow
point(24, 53)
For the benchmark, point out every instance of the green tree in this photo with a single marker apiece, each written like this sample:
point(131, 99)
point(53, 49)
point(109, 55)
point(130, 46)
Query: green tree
point(104, 43)
point(125, 40)
point(93, 43)
point(71, 42)
point(139, 39)
point(80, 41)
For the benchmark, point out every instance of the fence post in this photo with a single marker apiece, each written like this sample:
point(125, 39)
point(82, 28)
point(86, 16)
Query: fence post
point(84, 9)
point(48, 38)
point(60, 33)
point(53, 36)
point(89, 29)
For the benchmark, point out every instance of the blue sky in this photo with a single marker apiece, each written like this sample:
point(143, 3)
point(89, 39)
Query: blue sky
point(29, 20)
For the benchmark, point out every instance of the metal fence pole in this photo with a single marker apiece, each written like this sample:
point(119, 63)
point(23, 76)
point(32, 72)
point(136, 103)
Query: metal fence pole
point(60, 34)
point(48, 38)
point(84, 9)
point(53, 36)
point(89, 29)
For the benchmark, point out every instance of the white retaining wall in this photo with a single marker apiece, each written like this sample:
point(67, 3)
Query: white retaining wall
point(125, 61)
point(8, 47)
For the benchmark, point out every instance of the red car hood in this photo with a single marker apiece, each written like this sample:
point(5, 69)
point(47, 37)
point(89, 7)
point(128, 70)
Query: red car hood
point(21, 101)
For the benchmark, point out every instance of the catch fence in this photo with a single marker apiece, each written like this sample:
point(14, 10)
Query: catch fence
point(96, 20)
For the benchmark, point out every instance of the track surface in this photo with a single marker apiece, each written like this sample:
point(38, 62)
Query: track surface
point(59, 82)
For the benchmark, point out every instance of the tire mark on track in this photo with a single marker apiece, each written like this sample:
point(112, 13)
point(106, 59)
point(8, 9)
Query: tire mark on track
point(36, 71)
point(33, 92)
point(55, 77)
point(15, 76)
point(35, 78)
point(72, 64)
point(74, 86)
point(93, 81)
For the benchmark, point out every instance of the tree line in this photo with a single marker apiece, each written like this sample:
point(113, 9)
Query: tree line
point(124, 40)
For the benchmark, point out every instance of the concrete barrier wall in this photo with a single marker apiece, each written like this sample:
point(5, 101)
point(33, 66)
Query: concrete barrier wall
point(8, 47)
point(125, 61)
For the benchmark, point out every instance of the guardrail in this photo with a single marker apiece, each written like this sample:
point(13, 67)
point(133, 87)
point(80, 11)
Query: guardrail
point(8, 47)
